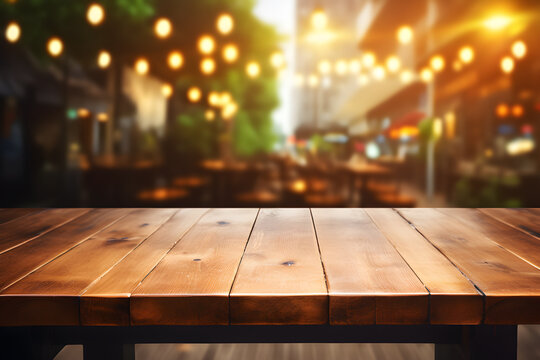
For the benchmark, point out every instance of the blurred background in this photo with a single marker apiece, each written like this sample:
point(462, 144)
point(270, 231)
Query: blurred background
point(269, 103)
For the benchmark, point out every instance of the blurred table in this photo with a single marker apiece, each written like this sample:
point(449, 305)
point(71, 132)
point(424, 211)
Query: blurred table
point(109, 278)
point(362, 172)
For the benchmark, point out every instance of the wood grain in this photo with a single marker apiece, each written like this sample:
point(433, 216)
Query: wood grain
point(29, 227)
point(453, 298)
point(526, 220)
point(11, 214)
point(31, 255)
point(280, 279)
point(521, 244)
point(191, 285)
point(50, 295)
point(511, 286)
point(368, 281)
point(106, 302)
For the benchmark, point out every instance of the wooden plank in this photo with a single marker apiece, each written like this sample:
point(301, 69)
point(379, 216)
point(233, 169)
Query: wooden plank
point(511, 286)
point(453, 298)
point(50, 295)
point(526, 220)
point(26, 228)
point(517, 242)
point(106, 302)
point(191, 285)
point(14, 213)
point(280, 279)
point(31, 255)
point(368, 281)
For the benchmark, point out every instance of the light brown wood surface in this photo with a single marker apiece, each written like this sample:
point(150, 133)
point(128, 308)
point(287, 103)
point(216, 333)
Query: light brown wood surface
point(11, 214)
point(191, 284)
point(526, 220)
point(453, 298)
point(29, 227)
point(368, 281)
point(106, 302)
point(270, 266)
point(50, 295)
point(510, 285)
point(280, 279)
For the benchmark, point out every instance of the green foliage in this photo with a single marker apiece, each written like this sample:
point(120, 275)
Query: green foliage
point(488, 194)
point(193, 137)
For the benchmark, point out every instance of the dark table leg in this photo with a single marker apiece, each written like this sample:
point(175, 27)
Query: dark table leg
point(482, 342)
point(108, 351)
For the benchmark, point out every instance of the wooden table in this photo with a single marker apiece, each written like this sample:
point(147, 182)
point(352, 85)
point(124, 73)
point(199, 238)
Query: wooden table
point(363, 172)
point(109, 278)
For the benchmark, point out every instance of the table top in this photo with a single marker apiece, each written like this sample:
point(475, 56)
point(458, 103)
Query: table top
point(269, 266)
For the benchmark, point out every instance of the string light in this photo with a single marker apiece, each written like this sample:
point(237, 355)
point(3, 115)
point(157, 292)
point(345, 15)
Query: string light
point(253, 69)
point(194, 94)
point(229, 110)
point(368, 60)
point(437, 63)
point(175, 60)
point(214, 99)
point(206, 44)
point(13, 32)
point(225, 24)
point(379, 73)
point(393, 64)
point(426, 75)
point(405, 34)
point(466, 54)
point(167, 90)
point(507, 64)
point(277, 59)
point(208, 66)
point(104, 59)
point(230, 53)
point(163, 28)
point(519, 49)
point(95, 14)
point(406, 76)
point(142, 66)
point(55, 46)
point(209, 115)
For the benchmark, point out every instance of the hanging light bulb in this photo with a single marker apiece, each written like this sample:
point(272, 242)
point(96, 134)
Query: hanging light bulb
point(104, 59)
point(95, 14)
point(253, 69)
point(163, 28)
point(55, 46)
point(230, 53)
point(225, 24)
point(142, 66)
point(175, 60)
point(13, 32)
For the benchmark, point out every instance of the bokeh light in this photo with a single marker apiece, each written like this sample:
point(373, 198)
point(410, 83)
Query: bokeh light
point(206, 44)
point(405, 34)
point(13, 32)
point(163, 28)
point(167, 90)
point(208, 66)
point(95, 14)
point(519, 49)
point(175, 60)
point(142, 66)
point(194, 94)
point(507, 64)
point(393, 64)
point(253, 69)
point(225, 24)
point(230, 53)
point(55, 46)
point(466, 54)
point(104, 59)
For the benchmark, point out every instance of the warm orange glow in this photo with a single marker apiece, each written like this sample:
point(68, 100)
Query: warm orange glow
point(363, 80)
point(313, 80)
point(393, 64)
point(214, 99)
point(225, 24)
point(95, 14)
point(426, 75)
point(206, 44)
point(104, 59)
point(404, 131)
point(163, 28)
point(497, 22)
point(437, 63)
point(406, 76)
point(167, 90)
point(142, 66)
point(102, 117)
point(230, 53)
point(55, 46)
point(405, 34)
point(502, 110)
point(369, 59)
point(194, 94)
point(175, 60)
point(517, 111)
point(299, 186)
point(82, 112)
point(507, 64)
point(450, 125)
point(209, 115)
point(208, 66)
point(466, 54)
point(13, 32)
point(379, 73)
point(519, 49)
point(253, 69)
point(229, 111)
point(225, 98)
